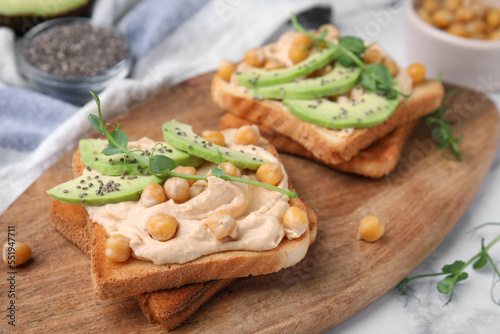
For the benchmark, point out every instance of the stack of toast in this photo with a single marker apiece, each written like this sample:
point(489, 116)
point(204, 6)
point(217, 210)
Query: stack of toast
point(170, 294)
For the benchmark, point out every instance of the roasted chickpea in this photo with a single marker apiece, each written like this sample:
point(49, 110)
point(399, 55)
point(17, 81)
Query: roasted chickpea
point(152, 194)
point(494, 35)
point(16, 254)
point(187, 170)
point(391, 65)
point(452, 5)
point(416, 72)
point(221, 224)
point(231, 169)
point(372, 55)
point(214, 137)
point(295, 219)
point(162, 227)
point(246, 135)
point(464, 14)
point(118, 248)
point(298, 53)
point(332, 32)
point(457, 29)
point(270, 173)
point(177, 189)
point(442, 18)
point(430, 5)
point(255, 57)
point(493, 18)
point(302, 39)
point(226, 69)
point(370, 229)
point(424, 15)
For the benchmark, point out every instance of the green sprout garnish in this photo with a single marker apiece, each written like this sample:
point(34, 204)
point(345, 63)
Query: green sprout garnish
point(374, 77)
point(455, 272)
point(442, 130)
point(160, 165)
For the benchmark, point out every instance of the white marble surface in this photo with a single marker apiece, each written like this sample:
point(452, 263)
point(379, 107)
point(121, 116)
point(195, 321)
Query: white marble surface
point(471, 310)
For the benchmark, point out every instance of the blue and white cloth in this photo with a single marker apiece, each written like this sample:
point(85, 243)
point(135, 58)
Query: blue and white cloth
point(171, 40)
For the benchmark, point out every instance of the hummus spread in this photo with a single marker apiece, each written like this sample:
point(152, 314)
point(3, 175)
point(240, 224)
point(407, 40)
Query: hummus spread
point(279, 51)
point(258, 213)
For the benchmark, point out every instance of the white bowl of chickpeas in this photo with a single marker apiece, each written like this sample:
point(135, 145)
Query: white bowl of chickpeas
point(459, 38)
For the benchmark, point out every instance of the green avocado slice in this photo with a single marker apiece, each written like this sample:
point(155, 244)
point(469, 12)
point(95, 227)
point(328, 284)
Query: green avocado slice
point(338, 81)
point(370, 110)
point(182, 137)
point(118, 164)
point(260, 77)
point(97, 190)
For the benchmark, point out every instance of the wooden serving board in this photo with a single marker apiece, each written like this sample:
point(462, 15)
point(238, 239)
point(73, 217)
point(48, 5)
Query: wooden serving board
point(420, 202)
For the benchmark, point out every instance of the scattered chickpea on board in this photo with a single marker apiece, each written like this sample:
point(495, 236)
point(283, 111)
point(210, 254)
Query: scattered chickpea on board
point(370, 229)
point(463, 18)
point(22, 253)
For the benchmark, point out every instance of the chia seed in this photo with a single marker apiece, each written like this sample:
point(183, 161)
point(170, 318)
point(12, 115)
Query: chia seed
point(76, 50)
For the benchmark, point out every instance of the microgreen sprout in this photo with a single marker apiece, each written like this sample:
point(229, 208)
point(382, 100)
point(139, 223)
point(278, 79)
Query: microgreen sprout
point(455, 272)
point(442, 130)
point(160, 165)
point(374, 77)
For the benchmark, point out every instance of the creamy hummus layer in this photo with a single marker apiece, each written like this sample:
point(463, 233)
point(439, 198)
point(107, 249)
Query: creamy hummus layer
point(258, 213)
point(279, 51)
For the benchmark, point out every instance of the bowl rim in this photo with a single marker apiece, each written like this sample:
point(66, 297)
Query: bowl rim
point(51, 79)
point(443, 36)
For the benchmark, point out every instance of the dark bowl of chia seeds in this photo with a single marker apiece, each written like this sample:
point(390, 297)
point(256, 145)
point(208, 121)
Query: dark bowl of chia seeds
point(68, 57)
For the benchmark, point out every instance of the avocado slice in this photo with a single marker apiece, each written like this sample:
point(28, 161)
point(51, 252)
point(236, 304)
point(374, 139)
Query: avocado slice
point(121, 164)
point(182, 137)
point(338, 81)
point(23, 15)
point(97, 190)
point(260, 77)
point(370, 110)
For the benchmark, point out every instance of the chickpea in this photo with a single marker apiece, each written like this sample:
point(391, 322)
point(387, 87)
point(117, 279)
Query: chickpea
point(494, 35)
point(246, 135)
point(274, 64)
point(226, 69)
point(442, 18)
point(152, 195)
point(302, 39)
point(187, 170)
point(457, 29)
point(476, 27)
point(424, 15)
point(452, 5)
point(16, 255)
point(270, 173)
point(231, 169)
point(177, 189)
point(391, 65)
point(162, 227)
point(372, 55)
point(295, 219)
point(493, 18)
point(464, 14)
point(214, 137)
point(431, 5)
point(221, 224)
point(370, 229)
point(332, 32)
point(416, 72)
point(298, 53)
point(118, 248)
point(255, 57)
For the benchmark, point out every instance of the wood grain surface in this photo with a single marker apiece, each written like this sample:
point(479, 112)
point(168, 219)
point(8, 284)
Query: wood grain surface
point(420, 202)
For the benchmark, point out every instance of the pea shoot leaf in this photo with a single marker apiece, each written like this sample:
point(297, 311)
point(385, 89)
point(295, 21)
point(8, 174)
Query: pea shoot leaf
point(353, 44)
point(483, 258)
point(218, 172)
point(120, 136)
point(112, 151)
point(161, 164)
point(95, 123)
point(454, 267)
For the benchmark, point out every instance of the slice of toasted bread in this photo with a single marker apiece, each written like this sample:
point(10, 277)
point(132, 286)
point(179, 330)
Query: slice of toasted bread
point(324, 144)
point(171, 308)
point(375, 161)
point(133, 277)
